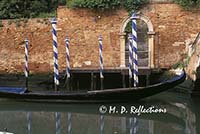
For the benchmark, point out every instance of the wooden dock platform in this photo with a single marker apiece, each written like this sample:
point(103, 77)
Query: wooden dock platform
point(122, 70)
point(90, 76)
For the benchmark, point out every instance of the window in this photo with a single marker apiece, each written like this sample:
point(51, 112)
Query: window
point(142, 42)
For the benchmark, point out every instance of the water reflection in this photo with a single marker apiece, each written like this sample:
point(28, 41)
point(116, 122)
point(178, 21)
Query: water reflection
point(182, 117)
point(57, 122)
point(69, 121)
point(29, 122)
point(102, 124)
point(133, 125)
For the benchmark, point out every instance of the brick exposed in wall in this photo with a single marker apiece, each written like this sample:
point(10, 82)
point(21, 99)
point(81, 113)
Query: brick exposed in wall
point(84, 28)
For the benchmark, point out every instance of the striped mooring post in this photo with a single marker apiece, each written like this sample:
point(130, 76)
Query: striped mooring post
point(135, 54)
point(67, 58)
point(58, 122)
point(101, 61)
point(69, 121)
point(29, 122)
point(130, 59)
point(67, 63)
point(55, 51)
point(26, 71)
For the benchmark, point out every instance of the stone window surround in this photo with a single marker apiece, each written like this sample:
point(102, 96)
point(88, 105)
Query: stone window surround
point(151, 36)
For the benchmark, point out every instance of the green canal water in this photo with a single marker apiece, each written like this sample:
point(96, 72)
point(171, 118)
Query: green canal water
point(180, 114)
point(182, 117)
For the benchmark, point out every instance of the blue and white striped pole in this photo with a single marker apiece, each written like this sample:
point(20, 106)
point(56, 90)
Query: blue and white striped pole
point(69, 120)
point(29, 122)
point(67, 63)
point(57, 122)
point(130, 59)
point(67, 58)
point(26, 62)
point(55, 51)
point(101, 124)
point(101, 60)
point(135, 54)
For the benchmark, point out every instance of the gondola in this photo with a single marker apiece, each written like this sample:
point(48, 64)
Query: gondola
point(106, 95)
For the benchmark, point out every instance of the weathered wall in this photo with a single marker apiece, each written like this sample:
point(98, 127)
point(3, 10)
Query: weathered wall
point(84, 27)
point(175, 27)
point(194, 59)
point(12, 36)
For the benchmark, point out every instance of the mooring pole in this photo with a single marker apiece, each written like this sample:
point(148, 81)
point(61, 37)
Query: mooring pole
point(77, 83)
point(147, 79)
point(101, 61)
point(92, 80)
point(130, 60)
point(26, 62)
point(95, 82)
point(67, 82)
point(101, 83)
point(134, 47)
point(123, 80)
point(55, 51)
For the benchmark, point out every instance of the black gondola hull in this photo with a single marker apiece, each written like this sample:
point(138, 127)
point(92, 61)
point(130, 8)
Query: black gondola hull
point(107, 95)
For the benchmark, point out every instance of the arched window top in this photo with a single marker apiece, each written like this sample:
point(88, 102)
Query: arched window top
point(139, 16)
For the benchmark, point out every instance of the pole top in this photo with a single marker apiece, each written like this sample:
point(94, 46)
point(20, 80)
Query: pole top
point(26, 40)
point(66, 39)
point(100, 38)
point(134, 15)
point(53, 21)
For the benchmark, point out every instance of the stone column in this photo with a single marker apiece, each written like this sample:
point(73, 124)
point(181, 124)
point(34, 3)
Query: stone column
point(122, 49)
point(151, 35)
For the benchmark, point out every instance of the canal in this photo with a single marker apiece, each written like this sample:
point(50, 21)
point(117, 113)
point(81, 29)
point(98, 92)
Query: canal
point(181, 117)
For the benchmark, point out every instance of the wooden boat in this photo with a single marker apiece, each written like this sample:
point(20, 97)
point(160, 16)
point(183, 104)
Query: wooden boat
point(106, 95)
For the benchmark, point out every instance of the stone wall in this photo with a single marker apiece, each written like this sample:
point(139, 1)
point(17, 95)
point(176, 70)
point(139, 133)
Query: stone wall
point(83, 27)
